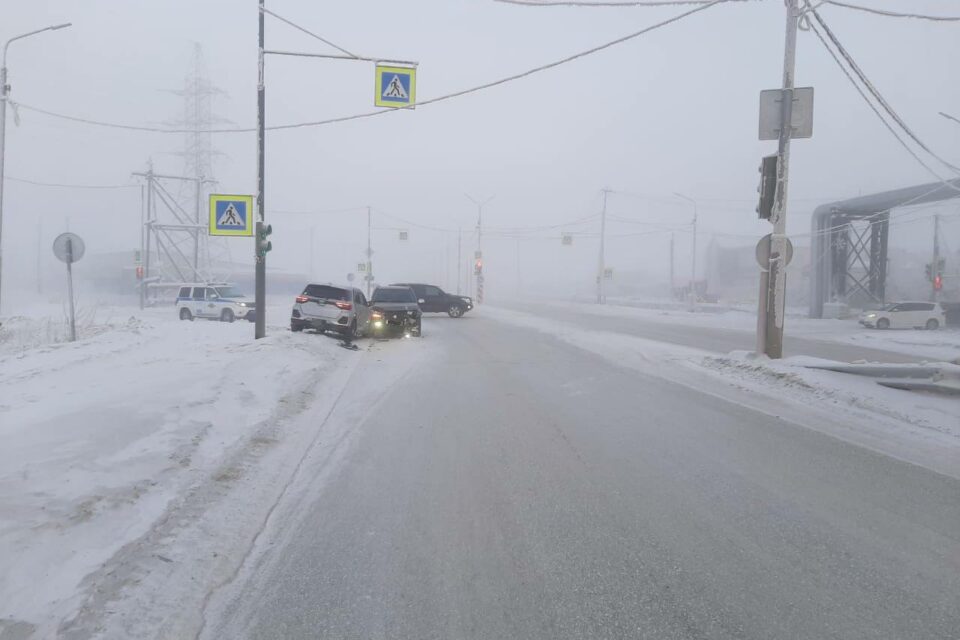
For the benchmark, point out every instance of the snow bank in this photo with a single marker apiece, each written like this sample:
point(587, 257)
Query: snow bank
point(100, 435)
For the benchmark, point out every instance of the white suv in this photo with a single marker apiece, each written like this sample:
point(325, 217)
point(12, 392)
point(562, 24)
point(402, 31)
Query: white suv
point(216, 301)
point(327, 307)
point(906, 315)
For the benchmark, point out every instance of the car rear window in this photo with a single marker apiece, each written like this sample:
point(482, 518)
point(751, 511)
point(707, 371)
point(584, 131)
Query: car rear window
point(326, 292)
point(397, 294)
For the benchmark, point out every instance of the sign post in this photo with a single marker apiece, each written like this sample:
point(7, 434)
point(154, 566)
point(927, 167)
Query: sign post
point(68, 247)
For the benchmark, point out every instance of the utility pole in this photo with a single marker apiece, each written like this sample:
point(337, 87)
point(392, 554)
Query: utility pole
point(479, 255)
point(260, 295)
point(459, 257)
point(369, 275)
point(672, 285)
point(935, 268)
point(313, 246)
point(693, 256)
point(39, 250)
point(519, 272)
point(772, 308)
point(601, 264)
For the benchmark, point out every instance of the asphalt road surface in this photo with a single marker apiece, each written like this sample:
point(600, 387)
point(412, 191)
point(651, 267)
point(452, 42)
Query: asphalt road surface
point(721, 340)
point(521, 488)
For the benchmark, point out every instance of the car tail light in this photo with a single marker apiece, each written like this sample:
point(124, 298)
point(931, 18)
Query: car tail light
point(302, 299)
point(346, 306)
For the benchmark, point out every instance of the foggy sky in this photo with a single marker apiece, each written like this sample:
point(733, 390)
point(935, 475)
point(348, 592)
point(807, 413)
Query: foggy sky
point(673, 111)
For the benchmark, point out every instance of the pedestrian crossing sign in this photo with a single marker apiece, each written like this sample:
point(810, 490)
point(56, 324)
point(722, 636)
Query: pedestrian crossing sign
point(395, 86)
point(231, 215)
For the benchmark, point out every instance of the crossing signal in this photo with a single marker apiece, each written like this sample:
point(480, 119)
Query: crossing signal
point(263, 245)
point(938, 282)
point(768, 186)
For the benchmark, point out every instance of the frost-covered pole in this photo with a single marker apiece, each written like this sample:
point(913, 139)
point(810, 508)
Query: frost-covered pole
point(776, 291)
point(601, 263)
point(260, 295)
point(369, 275)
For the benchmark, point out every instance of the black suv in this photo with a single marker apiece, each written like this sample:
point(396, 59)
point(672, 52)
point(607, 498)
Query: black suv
point(434, 300)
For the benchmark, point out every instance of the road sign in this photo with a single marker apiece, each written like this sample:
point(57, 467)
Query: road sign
point(763, 252)
point(395, 86)
point(231, 215)
point(771, 112)
point(566, 239)
point(350, 277)
point(608, 273)
point(68, 247)
point(404, 235)
point(361, 267)
point(477, 255)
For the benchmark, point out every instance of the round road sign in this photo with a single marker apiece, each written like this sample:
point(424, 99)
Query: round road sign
point(68, 247)
point(349, 277)
point(763, 252)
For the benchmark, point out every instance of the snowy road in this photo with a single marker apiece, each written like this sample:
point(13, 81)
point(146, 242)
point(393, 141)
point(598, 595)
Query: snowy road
point(710, 338)
point(515, 486)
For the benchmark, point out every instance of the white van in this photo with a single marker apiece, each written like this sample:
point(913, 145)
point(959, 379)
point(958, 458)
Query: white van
point(906, 315)
point(216, 301)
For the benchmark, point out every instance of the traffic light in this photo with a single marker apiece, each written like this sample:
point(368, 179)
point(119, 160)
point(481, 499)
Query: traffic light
point(929, 270)
point(263, 245)
point(937, 282)
point(768, 186)
point(478, 266)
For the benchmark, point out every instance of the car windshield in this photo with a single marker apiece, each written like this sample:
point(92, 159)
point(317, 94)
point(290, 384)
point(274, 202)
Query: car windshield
point(326, 292)
point(229, 292)
point(393, 294)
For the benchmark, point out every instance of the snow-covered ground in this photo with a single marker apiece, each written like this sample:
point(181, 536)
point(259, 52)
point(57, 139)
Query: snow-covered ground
point(943, 344)
point(919, 427)
point(103, 438)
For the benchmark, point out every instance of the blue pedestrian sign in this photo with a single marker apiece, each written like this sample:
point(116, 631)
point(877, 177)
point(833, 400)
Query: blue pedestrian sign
point(231, 215)
point(395, 86)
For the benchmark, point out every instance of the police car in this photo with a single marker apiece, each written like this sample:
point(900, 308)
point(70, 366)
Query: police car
point(216, 301)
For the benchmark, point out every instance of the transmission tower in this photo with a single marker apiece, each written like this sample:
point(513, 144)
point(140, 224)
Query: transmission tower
point(198, 152)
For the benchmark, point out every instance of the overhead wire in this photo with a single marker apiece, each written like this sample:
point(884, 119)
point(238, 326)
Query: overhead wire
point(369, 114)
point(871, 88)
point(889, 14)
point(72, 186)
point(604, 3)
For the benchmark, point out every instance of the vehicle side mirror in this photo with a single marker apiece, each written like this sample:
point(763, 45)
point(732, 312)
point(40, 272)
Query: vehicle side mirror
point(214, 296)
point(421, 301)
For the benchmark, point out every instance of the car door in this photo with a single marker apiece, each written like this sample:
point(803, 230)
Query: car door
point(362, 307)
point(432, 299)
point(213, 305)
point(198, 302)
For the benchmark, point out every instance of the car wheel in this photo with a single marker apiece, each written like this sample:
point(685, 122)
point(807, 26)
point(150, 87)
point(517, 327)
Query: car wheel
point(933, 324)
point(418, 331)
point(227, 316)
point(883, 323)
point(295, 326)
point(455, 311)
point(355, 331)
point(185, 314)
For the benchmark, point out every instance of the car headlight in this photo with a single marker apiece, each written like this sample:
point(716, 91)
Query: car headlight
point(242, 304)
point(871, 315)
point(376, 315)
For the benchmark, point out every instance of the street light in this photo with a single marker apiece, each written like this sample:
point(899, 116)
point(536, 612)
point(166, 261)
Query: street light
point(693, 262)
point(4, 96)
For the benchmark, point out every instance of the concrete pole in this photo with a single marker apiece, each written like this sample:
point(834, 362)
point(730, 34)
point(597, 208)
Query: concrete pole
point(369, 276)
point(601, 264)
point(260, 294)
point(459, 257)
point(775, 308)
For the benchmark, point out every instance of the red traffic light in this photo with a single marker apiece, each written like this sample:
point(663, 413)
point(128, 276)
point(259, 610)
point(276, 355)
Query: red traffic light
point(937, 282)
point(139, 273)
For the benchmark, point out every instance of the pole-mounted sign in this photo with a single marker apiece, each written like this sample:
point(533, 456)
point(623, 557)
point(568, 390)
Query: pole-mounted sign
point(69, 248)
point(231, 215)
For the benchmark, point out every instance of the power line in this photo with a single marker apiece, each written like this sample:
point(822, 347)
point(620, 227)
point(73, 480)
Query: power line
point(889, 14)
point(876, 111)
point(874, 91)
point(605, 3)
point(369, 114)
point(72, 186)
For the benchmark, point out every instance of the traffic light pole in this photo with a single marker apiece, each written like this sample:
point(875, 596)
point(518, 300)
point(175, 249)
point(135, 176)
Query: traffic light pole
point(601, 263)
point(775, 297)
point(260, 295)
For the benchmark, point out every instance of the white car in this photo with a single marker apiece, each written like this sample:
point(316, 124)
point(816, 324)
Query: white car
point(906, 315)
point(216, 301)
